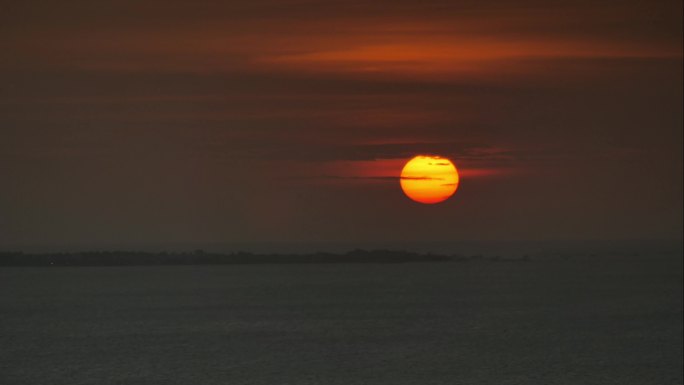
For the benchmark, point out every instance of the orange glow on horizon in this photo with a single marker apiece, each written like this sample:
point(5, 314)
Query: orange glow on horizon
point(429, 179)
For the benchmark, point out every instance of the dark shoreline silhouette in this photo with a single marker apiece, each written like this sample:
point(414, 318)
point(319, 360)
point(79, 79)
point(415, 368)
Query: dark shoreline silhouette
point(199, 257)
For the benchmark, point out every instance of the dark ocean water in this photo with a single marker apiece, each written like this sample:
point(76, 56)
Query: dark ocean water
point(602, 320)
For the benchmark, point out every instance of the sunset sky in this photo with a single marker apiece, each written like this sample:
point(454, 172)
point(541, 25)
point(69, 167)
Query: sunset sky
point(253, 121)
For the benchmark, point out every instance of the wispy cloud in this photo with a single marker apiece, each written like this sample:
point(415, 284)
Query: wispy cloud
point(430, 39)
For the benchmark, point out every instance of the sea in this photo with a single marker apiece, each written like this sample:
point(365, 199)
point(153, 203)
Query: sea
point(565, 318)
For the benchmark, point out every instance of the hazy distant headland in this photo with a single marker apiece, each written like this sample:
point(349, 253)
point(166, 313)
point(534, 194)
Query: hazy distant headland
point(401, 253)
point(200, 257)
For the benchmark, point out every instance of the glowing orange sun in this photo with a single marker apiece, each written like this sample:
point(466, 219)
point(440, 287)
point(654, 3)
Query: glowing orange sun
point(429, 179)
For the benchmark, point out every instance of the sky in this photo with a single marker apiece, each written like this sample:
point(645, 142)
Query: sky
point(289, 121)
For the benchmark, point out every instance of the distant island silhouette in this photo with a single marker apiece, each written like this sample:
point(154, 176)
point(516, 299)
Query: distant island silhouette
point(200, 257)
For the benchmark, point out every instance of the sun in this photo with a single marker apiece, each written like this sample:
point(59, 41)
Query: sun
point(429, 179)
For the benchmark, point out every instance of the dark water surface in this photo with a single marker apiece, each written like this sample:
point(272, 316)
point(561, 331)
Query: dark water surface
point(577, 321)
